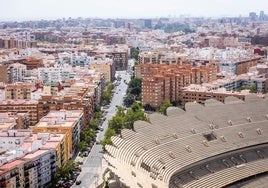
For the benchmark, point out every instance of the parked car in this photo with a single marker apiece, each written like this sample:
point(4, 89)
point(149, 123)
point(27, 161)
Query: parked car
point(78, 182)
point(100, 128)
point(79, 169)
point(85, 153)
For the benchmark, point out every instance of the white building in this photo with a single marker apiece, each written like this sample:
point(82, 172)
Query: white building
point(16, 72)
point(54, 74)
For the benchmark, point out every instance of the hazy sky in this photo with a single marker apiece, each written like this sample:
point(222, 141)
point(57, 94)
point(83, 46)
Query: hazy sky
point(51, 9)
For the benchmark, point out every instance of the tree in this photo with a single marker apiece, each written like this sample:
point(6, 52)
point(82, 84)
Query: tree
point(132, 115)
point(164, 106)
point(106, 97)
point(134, 89)
point(135, 53)
point(87, 135)
point(129, 100)
point(82, 145)
point(98, 114)
point(107, 94)
point(94, 123)
point(136, 82)
point(110, 87)
point(123, 119)
point(109, 133)
point(251, 88)
point(116, 123)
point(107, 137)
point(66, 170)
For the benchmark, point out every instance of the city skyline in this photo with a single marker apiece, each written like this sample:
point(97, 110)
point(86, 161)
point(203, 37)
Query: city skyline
point(16, 10)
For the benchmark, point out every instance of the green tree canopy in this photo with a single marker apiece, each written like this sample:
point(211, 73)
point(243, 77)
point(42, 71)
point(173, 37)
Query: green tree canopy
point(164, 106)
point(135, 82)
point(82, 145)
point(110, 87)
point(133, 91)
point(129, 99)
point(107, 137)
point(136, 52)
point(116, 123)
point(134, 114)
point(123, 119)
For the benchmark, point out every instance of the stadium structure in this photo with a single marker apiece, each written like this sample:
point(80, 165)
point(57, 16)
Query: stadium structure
point(207, 146)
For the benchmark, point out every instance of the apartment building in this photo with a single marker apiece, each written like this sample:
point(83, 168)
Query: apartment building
point(23, 161)
point(93, 78)
point(78, 96)
point(162, 57)
point(16, 72)
point(220, 42)
point(4, 73)
point(120, 57)
point(165, 82)
point(39, 168)
point(155, 90)
point(19, 90)
point(234, 83)
point(7, 122)
point(13, 120)
point(107, 67)
point(33, 170)
point(8, 43)
point(54, 141)
point(148, 57)
point(79, 59)
point(56, 73)
point(201, 93)
point(59, 142)
point(237, 66)
point(69, 122)
point(33, 63)
point(29, 107)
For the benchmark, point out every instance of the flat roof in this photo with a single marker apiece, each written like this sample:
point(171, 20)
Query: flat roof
point(35, 154)
point(11, 165)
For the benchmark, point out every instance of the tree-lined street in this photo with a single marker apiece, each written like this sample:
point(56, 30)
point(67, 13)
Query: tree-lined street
point(94, 165)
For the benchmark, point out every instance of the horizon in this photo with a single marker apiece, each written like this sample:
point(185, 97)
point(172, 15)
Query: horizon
point(32, 10)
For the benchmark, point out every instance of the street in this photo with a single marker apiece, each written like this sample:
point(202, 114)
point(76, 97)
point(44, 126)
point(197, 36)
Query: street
point(94, 165)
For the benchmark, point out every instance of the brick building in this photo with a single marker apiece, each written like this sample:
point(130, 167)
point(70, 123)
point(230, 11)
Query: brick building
point(4, 73)
point(21, 106)
point(77, 97)
point(165, 82)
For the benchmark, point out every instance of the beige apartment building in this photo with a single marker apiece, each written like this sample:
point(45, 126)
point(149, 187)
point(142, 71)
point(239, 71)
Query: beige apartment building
point(107, 68)
point(19, 90)
point(199, 94)
point(68, 122)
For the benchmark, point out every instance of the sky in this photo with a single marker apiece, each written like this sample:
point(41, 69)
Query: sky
point(20, 10)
